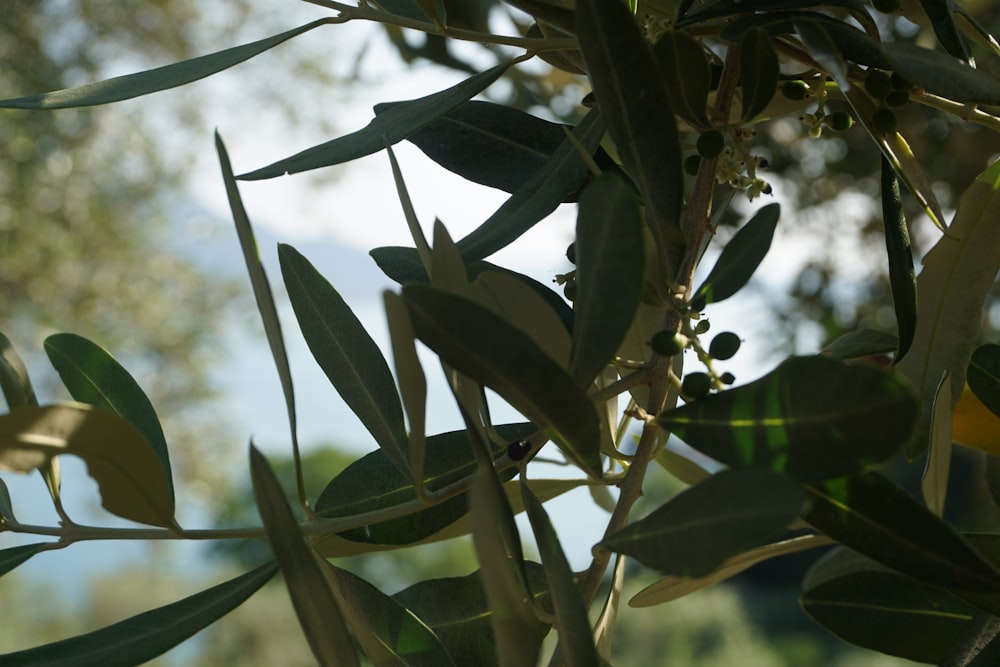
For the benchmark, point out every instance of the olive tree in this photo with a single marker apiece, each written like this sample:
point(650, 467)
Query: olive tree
point(605, 374)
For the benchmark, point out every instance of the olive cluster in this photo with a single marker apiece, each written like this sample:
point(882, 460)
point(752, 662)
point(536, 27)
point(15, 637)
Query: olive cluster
point(890, 91)
point(723, 346)
point(735, 165)
point(816, 121)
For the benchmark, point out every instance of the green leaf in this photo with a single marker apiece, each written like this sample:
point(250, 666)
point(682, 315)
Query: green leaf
point(492, 144)
point(609, 276)
point(934, 484)
point(758, 72)
point(388, 128)
point(457, 610)
point(14, 556)
point(153, 80)
point(412, 382)
point(6, 509)
point(902, 277)
point(977, 646)
point(811, 418)
point(576, 643)
point(862, 343)
point(485, 348)
point(127, 470)
point(940, 14)
point(984, 376)
point(633, 100)
point(724, 8)
point(874, 517)
point(314, 602)
point(890, 614)
point(539, 195)
point(14, 381)
point(141, 638)
point(702, 526)
point(388, 632)
point(943, 75)
point(687, 76)
point(93, 376)
point(957, 274)
point(824, 51)
point(373, 483)
point(740, 257)
point(604, 628)
point(347, 354)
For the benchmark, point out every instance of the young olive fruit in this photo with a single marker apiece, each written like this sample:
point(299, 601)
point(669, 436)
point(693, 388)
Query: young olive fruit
point(884, 120)
point(698, 304)
point(518, 449)
point(794, 90)
point(569, 291)
point(691, 164)
point(710, 144)
point(668, 343)
point(878, 84)
point(696, 385)
point(839, 121)
point(724, 346)
point(702, 327)
point(899, 82)
point(727, 378)
point(571, 253)
point(886, 6)
point(897, 98)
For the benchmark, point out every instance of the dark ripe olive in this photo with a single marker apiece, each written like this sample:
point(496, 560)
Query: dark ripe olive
point(696, 385)
point(518, 449)
point(794, 90)
point(668, 343)
point(710, 144)
point(878, 84)
point(691, 164)
point(571, 253)
point(702, 327)
point(884, 120)
point(727, 378)
point(897, 98)
point(724, 346)
point(899, 82)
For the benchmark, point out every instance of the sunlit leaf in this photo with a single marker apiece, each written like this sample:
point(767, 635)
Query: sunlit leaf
point(14, 556)
point(153, 80)
point(902, 277)
point(811, 417)
point(672, 587)
point(874, 517)
point(387, 128)
point(141, 638)
point(485, 348)
point(122, 462)
point(347, 354)
point(890, 614)
point(957, 274)
point(14, 381)
point(740, 257)
point(315, 603)
point(699, 528)
point(984, 376)
point(576, 643)
point(93, 376)
point(861, 343)
point(388, 632)
point(687, 75)
point(540, 195)
point(609, 273)
point(934, 484)
point(758, 72)
point(633, 101)
point(975, 425)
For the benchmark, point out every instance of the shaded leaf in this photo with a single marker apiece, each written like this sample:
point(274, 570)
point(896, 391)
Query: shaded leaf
point(482, 346)
point(604, 628)
point(141, 638)
point(811, 417)
point(861, 343)
point(902, 277)
point(984, 376)
point(93, 376)
point(14, 556)
point(824, 50)
point(722, 8)
point(609, 273)
point(874, 517)
point(347, 354)
point(412, 383)
point(740, 257)
point(412, 222)
point(561, 176)
point(687, 76)
point(943, 75)
point(940, 14)
point(6, 509)
point(153, 80)
point(314, 602)
point(934, 484)
point(633, 100)
point(388, 128)
point(124, 465)
point(702, 526)
point(576, 643)
point(977, 646)
point(957, 274)
point(758, 72)
point(14, 381)
point(889, 613)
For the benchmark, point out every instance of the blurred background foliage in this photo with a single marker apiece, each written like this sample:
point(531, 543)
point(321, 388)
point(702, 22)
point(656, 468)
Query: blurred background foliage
point(92, 241)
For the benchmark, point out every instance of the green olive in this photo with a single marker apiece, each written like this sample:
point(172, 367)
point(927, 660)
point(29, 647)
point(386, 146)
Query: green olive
point(724, 346)
point(839, 121)
point(794, 90)
point(668, 343)
point(696, 385)
point(878, 84)
point(710, 144)
point(897, 98)
point(884, 120)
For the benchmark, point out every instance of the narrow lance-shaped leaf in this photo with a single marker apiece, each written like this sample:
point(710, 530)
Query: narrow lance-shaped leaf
point(609, 276)
point(934, 484)
point(633, 100)
point(153, 80)
point(984, 376)
point(824, 50)
point(604, 628)
point(347, 354)
point(14, 381)
point(314, 602)
point(93, 376)
point(890, 614)
point(758, 72)
point(576, 643)
point(141, 638)
point(811, 417)
point(740, 257)
point(977, 646)
point(902, 277)
point(482, 346)
point(14, 556)
point(943, 75)
point(687, 75)
point(390, 127)
point(876, 518)
point(943, 22)
point(702, 526)
point(862, 343)
point(957, 274)
point(412, 383)
point(122, 462)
